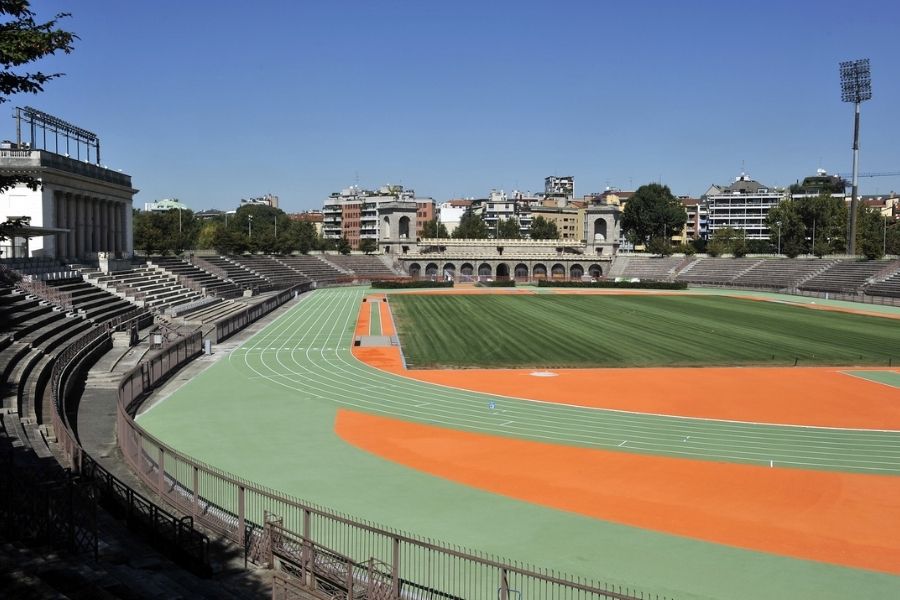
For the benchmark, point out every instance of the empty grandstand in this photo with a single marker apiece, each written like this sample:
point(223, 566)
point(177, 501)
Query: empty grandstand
point(363, 265)
point(845, 277)
point(196, 278)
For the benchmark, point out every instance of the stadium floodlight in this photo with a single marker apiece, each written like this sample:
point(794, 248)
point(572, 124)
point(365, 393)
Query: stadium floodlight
point(856, 87)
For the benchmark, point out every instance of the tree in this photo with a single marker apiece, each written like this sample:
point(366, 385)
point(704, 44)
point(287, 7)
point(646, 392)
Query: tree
point(24, 40)
point(368, 245)
point(344, 246)
point(542, 229)
point(728, 240)
point(652, 211)
point(786, 224)
point(870, 232)
point(471, 227)
point(659, 245)
point(206, 238)
point(508, 229)
point(434, 229)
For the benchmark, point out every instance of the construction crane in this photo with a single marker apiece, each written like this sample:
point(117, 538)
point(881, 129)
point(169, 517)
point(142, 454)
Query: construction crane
point(876, 174)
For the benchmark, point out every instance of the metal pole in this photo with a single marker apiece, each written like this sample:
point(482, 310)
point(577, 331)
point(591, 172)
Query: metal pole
point(814, 237)
point(779, 238)
point(851, 246)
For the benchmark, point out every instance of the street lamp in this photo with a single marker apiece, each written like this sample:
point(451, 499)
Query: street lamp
point(779, 237)
point(250, 226)
point(856, 87)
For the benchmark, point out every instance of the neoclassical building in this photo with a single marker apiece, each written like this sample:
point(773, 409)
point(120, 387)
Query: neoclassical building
point(569, 259)
point(80, 209)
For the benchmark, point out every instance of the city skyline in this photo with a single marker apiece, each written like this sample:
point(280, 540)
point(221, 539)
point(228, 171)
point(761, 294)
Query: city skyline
point(454, 100)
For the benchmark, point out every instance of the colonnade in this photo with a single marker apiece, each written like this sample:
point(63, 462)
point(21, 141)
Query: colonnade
point(95, 224)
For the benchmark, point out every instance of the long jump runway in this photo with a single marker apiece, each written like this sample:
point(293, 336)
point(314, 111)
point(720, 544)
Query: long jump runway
point(268, 413)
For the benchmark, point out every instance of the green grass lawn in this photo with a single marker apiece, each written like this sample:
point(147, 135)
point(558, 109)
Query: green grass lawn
point(624, 331)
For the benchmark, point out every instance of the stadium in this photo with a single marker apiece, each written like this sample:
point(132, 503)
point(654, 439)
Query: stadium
point(530, 441)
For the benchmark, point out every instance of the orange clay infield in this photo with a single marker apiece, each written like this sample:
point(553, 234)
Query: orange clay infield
point(841, 518)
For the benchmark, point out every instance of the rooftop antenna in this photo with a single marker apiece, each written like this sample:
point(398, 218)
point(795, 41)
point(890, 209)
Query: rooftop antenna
point(856, 87)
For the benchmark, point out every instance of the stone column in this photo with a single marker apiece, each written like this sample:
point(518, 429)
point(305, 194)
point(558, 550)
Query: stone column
point(101, 211)
point(58, 205)
point(117, 228)
point(69, 247)
point(89, 225)
point(129, 233)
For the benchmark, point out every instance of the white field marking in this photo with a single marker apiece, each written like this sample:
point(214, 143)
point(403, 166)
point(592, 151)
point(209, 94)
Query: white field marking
point(849, 374)
point(667, 430)
point(741, 426)
point(506, 423)
point(568, 429)
point(623, 443)
point(421, 405)
point(594, 443)
point(601, 445)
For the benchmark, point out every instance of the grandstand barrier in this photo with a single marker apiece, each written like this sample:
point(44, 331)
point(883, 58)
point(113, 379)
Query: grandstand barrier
point(858, 297)
point(225, 328)
point(174, 535)
point(319, 548)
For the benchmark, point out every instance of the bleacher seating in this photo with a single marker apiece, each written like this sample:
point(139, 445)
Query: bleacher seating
point(366, 266)
point(241, 276)
point(90, 301)
point(781, 273)
point(655, 268)
point(846, 276)
point(279, 275)
point(716, 270)
point(314, 268)
point(199, 279)
point(147, 286)
point(889, 286)
point(43, 268)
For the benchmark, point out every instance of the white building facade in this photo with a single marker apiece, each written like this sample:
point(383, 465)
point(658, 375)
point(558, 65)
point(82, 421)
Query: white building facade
point(85, 207)
point(743, 205)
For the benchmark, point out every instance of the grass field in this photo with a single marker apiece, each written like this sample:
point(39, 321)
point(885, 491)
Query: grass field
point(267, 412)
point(556, 331)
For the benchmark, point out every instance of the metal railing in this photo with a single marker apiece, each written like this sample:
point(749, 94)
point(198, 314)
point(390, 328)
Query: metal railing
point(318, 542)
point(231, 325)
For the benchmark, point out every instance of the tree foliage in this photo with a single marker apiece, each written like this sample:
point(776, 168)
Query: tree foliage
point(23, 40)
point(434, 229)
point(508, 229)
point(368, 245)
point(728, 240)
point(816, 225)
point(652, 211)
point(471, 227)
point(543, 229)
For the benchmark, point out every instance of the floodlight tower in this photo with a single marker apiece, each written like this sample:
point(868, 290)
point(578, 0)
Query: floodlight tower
point(856, 87)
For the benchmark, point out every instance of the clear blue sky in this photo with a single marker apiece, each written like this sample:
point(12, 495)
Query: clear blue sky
point(214, 101)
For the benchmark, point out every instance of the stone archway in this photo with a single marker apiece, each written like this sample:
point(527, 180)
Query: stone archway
point(415, 269)
point(404, 228)
point(558, 271)
point(576, 272)
point(431, 270)
point(521, 271)
point(485, 270)
point(466, 269)
point(386, 228)
point(449, 270)
point(595, 271)
point(539, 271)
point(503, 271)
point(600, 230)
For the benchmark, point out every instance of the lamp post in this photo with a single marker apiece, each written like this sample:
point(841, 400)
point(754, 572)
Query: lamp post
point(250, 226)
point(856, 87)
point(779, 237)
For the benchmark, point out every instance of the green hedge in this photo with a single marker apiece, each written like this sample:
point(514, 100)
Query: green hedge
point(409, 283)
point(639, 285)
point(497, 283)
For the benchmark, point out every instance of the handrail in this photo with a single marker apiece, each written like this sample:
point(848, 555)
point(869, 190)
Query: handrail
point(238, 508)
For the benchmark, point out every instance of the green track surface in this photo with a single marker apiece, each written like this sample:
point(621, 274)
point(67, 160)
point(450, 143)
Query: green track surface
point(374, 318)
point(632, 331)
point(891, 378)
point(266, 413)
